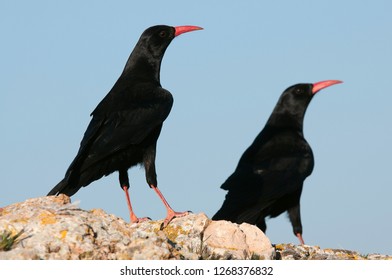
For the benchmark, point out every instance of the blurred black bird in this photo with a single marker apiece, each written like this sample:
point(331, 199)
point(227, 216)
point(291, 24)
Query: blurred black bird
point(126, 124)
point(270, 174)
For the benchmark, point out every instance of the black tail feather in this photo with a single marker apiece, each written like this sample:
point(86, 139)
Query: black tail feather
point(63, 187)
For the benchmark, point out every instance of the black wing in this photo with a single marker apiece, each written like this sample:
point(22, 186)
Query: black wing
point(113, 129)
point(268, 171)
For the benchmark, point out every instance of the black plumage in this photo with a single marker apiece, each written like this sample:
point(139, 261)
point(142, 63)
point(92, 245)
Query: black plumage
point(126, 124)
point(269, 177)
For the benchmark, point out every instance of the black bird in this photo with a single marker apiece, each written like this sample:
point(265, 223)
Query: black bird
point(270, 174)
point(126, 124)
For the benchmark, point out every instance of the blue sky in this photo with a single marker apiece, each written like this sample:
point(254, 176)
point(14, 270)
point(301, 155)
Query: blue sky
point(58, 60)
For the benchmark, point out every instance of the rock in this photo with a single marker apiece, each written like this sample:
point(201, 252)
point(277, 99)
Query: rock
point(234, 241)
point(54, 228)
point(304, 252)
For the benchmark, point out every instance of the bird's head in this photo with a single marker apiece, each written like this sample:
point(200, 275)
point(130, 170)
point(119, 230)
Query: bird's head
point(294, 101)
point(157, 38)
point(299, 95)
point(145, 59)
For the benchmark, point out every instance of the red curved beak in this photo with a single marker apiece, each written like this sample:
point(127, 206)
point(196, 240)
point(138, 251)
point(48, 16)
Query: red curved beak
point(185, 28)
point(323, 84)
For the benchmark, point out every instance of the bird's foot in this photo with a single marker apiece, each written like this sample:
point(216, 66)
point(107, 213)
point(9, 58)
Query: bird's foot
point(144, 219)
point(301, 240)
point(136, 220)
point(171, 215)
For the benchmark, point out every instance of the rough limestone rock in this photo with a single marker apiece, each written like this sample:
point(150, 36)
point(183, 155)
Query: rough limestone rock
point(54, 228)
point(304, 252)
point(237, 241)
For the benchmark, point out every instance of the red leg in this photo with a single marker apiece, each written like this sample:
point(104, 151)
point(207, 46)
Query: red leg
point(132, 215)
point(171, 214)
point(299, 236)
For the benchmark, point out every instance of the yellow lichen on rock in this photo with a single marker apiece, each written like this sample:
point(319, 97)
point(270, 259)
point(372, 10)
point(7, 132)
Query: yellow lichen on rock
point(172, 232)
point(63, 234)
point(47, 218)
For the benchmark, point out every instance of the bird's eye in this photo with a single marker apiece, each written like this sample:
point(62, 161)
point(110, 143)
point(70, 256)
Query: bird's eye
point(162, 34)
point(299, 91)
